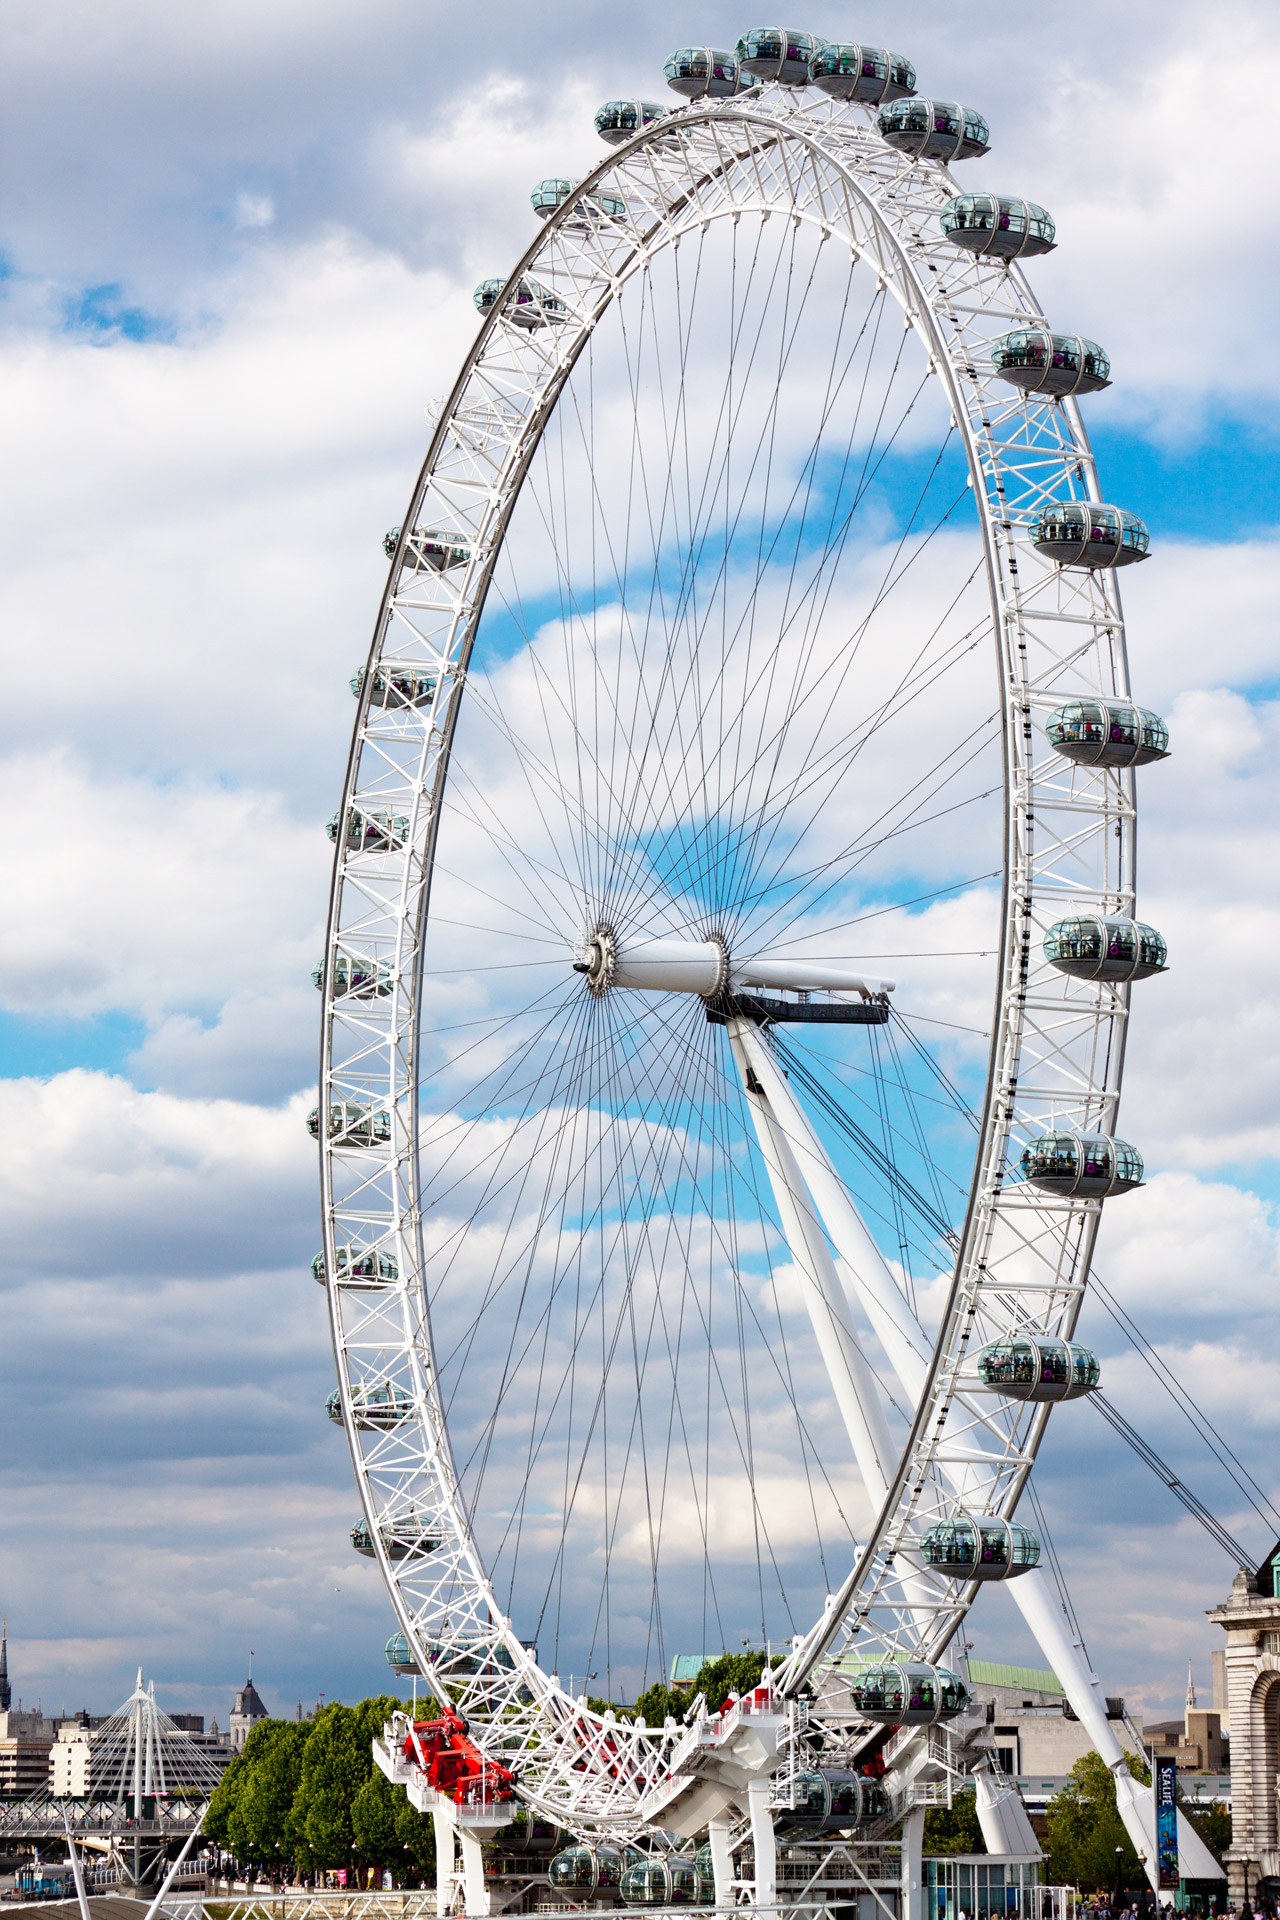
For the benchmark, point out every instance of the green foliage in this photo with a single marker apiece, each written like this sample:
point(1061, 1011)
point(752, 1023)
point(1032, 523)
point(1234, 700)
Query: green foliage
point(261, 1827)
point(1213, 1824)
point(373, 1819)
point(717, 1679)
point(336, 1762)
point(416, 1833)
point(225, 1796)
point(307, 1793)
point(250, 1809)
point(1085, 1829)
point(955, 1829)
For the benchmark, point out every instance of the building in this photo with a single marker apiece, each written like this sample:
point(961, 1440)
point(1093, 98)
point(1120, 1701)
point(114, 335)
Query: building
point(1030, 1726)
point(245, 1715)
point(1250, 1618)
point(1196, 1742)
point(25, 1742)
point(25, 1738)
point(685, 1668)
point(71, 1756)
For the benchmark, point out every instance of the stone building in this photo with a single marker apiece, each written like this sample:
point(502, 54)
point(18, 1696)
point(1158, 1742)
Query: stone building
point(1250, 1619)
point(1035, 1736)
point(1196, 1742)
point(245, 1715)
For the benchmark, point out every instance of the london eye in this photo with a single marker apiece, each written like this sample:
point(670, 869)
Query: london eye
point(729, 959)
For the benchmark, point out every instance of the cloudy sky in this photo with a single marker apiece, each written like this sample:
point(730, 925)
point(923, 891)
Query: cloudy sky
point(238, 247)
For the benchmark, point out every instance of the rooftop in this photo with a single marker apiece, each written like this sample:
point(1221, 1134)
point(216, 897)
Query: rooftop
point(994, 1673)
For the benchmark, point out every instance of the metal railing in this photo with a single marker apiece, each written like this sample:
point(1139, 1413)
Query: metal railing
point(416, 1904)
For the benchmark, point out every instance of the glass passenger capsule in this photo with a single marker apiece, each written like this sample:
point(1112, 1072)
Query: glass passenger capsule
point(980, 1547)
point(586, 210)
point(355, 976)
point(400, 1658)
point(989, 223)
point(370, 830)
point(703, 73)
point(428, 549)
point(661, 1880)
point(1058, 363)
point(397, 686)
point(1084, 533)
point(1099, 947)
point(934, 129)
point(618, 120)
point(908, 1693)
point(1081, 1166)
point(351, 1125)
point(599, 1869)
point(406, 1539)
point(1107, 733)
point(779, 53)
point(365, 1268)
point(830, 1801)
point(1026, 1366)
point(529, 304)
point(862, 73)
point(373, 1409)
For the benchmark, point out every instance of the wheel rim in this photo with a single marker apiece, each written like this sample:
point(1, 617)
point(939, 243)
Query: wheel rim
point(1021, 1260)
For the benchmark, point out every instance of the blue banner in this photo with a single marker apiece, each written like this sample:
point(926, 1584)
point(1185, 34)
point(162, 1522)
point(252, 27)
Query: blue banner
point(1165, 1785)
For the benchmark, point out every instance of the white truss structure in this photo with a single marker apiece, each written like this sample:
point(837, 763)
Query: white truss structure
point(1022, 1259)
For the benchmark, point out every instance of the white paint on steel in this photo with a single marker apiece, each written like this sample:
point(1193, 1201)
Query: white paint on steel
point(1057, 1043)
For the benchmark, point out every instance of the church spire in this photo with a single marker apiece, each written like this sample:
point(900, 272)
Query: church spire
point(5, 1694)
point(1191, 1688)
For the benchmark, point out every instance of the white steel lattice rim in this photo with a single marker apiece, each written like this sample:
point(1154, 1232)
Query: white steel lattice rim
point(1059, 635)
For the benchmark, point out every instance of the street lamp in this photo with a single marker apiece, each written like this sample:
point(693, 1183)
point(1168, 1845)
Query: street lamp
point(1119, 1871)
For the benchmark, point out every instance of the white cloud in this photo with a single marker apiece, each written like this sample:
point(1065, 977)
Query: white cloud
point(254, 210)
point(192, 561)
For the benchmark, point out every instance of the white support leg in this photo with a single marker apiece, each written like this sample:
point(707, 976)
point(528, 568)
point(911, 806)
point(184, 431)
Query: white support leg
point(444, 1861)
point(852, 1381)
point(475, 1892)
point(76, 1874)
point(721, 1860)
point(907, 1347)
point(762, 1839)
point(913, 1865)
point(864, 1266)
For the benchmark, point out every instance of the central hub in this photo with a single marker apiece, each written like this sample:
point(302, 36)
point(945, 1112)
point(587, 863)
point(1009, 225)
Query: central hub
point(596, 957)
point(653, 966)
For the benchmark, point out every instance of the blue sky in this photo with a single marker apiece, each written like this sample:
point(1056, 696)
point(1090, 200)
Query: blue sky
point(237, 266)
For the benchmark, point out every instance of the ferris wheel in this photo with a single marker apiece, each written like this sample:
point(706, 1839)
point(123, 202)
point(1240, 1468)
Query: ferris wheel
point(731, 940)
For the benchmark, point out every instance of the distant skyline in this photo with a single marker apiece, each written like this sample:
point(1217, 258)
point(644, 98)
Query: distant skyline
point(236, 265)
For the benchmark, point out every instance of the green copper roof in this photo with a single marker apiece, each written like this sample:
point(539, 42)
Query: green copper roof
point(994, 1673)
point(687, 1666)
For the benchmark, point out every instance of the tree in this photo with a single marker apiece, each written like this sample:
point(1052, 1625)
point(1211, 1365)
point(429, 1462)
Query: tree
point(250, 1810)
point(1085, 1829)
point(261, 1827)
point(1213, 1824)
point(374, 1813)
point(416, 1833)
point(955, 1829)
point(717, 1679)
point(336, 1762)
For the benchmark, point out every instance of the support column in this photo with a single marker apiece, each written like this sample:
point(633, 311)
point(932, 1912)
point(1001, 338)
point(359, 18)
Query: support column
point(766, 1850)
point(444, 1861)
point(721, 1859)
point(475, 1892)
point(852, 1382)
point(913, 1864)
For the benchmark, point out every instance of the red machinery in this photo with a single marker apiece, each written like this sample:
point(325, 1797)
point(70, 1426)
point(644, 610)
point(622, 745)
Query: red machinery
point(454, 1764)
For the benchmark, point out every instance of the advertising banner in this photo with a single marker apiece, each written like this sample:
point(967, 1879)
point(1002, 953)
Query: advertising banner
point(1164, 1782)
